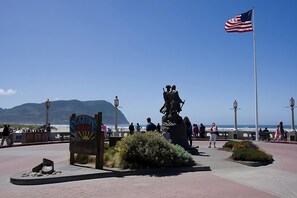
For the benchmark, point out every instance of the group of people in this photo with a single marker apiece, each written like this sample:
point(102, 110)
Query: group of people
point(7, 135)
point(149, 127)
point(280, 134)
point(194, 130)
point(199, 131)
point(190, 130)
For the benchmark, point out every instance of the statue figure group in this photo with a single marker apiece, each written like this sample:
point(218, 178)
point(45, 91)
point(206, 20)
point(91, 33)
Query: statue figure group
point(172, 106)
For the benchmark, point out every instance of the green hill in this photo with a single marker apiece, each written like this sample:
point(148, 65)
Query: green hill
point(59, 112)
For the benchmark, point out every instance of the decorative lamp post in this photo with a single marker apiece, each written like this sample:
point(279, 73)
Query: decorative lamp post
point(47, 106)
point(116, 104)
point(292, 104)
point(235, 105)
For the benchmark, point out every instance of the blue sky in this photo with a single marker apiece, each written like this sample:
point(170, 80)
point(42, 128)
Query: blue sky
point(96, 50)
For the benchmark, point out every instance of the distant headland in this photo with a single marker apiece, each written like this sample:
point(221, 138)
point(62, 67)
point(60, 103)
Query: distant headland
point(59, 112)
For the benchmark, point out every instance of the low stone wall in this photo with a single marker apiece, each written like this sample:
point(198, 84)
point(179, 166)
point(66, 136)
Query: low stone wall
point(241, 135)
point(223, 135)
point(249, 135)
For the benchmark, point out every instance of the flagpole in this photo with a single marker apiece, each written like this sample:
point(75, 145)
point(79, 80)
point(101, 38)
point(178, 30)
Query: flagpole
point(255, 77)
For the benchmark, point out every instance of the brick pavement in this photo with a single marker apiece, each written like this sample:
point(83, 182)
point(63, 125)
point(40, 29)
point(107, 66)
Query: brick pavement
point(227, 179)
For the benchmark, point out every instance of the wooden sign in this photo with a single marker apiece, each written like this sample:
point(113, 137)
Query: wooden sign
point(86, 137)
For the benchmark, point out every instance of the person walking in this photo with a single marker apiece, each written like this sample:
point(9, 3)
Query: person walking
point(5, 135)
point(189, 129)
point(213, 135)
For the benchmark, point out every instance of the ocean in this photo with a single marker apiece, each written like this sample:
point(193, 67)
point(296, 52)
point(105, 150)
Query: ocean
point(125, 127)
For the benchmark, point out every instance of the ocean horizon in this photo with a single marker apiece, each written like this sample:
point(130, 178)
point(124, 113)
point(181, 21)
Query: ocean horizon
point(227, 127)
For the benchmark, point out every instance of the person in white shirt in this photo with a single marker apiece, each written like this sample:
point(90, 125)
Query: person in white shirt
point(213, 135)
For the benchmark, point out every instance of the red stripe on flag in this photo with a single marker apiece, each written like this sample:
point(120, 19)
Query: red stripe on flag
point(236, 25)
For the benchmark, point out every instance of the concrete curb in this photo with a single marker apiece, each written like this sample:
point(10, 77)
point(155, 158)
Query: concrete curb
point(34, 143)
point(18, 179)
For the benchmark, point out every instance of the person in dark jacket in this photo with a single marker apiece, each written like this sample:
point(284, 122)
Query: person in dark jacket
point(150, 126)
point(202, 131)
point(283, 135)
point(131, 128)
point(10, 135)
point(159, 127)
point(188, 129)
point(5, 135)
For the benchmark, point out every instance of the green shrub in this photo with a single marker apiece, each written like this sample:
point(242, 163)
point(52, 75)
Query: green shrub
point(232, 145)
point(247, 151)
point(244, 154)
point(229, 145)
point(108, 157)
point(245, 144)
point(146, 150)
point(84, 158)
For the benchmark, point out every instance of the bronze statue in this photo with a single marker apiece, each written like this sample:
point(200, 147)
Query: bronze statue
point(175, 100)
point(165, 109)
point(171, 107)
point(172, 122)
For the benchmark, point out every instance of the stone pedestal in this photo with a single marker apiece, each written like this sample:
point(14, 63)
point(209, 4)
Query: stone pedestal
point(178, 135)
point(113, 140)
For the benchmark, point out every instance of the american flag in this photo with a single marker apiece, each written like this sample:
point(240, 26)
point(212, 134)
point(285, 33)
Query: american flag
point(240, 23)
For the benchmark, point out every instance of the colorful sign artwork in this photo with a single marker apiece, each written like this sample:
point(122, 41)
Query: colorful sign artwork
point(82, 128)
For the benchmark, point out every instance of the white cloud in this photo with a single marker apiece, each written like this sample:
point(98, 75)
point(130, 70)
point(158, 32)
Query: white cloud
point(7, 92)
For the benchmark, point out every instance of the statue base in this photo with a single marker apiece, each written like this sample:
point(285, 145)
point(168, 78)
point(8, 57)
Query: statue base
point(178, 134)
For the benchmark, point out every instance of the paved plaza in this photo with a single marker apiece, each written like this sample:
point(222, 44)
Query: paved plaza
point(226, 178)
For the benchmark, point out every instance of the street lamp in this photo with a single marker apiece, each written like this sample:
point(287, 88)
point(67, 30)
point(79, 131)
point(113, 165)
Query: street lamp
point(235, 105)
point(116, 104)
point(47, 106)
point(292, 104)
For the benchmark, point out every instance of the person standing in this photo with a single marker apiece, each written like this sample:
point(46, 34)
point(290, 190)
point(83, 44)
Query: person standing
point(131, 128)
point(213, 135)
point(150, 126)
point(189, 129)
point(109, 132)
point(10, 135)
point(5, 135)
point(104, 129)
point(276, 135)
point(282, 131)
point(202, 131)
point(196, 130)
point(159, 127)
point(138, 127)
